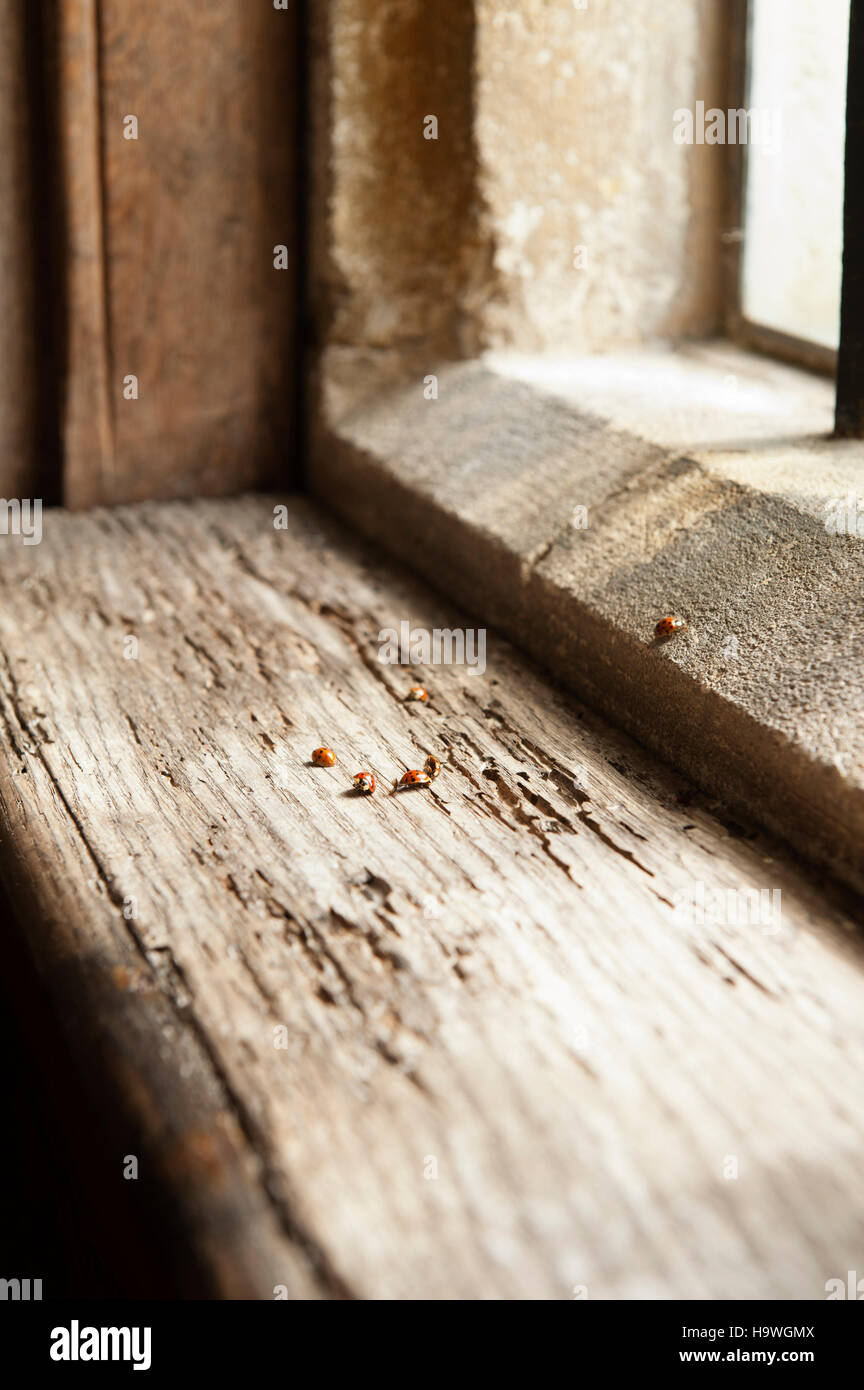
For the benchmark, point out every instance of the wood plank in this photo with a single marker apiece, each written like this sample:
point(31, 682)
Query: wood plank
point(170, 246)
point(88, 411)
point(18, 383)
point(494, 974)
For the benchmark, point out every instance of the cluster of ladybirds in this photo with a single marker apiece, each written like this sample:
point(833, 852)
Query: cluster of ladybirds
point(364, 782)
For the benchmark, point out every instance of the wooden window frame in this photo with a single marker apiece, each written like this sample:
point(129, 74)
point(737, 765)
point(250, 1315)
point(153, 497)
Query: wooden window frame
point(746, 332)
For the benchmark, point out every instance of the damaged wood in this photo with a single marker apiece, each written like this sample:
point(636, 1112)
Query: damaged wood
point(456, 1043)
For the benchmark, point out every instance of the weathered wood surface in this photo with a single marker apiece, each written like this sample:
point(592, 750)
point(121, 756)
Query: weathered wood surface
point(491, 974)
point(168, 240)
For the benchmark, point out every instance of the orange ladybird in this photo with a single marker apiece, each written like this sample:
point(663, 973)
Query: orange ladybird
point(418, 693)
point(414, 779)
point(364, 783)
point(323, 757)
point(432, 767)
point(667, 627)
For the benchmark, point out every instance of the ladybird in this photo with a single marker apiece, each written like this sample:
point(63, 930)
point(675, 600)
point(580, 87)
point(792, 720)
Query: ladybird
point(414, 779)
point(667, 627)
point(432, 766)
point(323, 757)
point(418, 693)
point(364, 783)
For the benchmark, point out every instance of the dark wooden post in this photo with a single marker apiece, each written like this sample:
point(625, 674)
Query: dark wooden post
point(849, 420)
point(18, 383)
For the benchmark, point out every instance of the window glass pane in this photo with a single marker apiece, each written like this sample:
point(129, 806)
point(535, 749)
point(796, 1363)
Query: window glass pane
point(793, 213)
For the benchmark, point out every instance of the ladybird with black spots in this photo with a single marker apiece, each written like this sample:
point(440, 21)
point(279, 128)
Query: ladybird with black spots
point(413, 778)
point(323, 757)
point(669, 627)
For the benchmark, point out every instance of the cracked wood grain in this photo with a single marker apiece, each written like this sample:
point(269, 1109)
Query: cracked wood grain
point(491, 974)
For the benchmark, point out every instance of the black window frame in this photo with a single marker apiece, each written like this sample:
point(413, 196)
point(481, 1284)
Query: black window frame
point(846, 363)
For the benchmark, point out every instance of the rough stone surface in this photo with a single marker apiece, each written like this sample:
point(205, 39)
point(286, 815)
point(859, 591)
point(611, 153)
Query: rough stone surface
point(401, 257)
point(574, 121)
point(554, 130)
point(702, 397)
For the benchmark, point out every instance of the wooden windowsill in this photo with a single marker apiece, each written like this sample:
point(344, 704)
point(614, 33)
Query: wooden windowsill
point(489, 982)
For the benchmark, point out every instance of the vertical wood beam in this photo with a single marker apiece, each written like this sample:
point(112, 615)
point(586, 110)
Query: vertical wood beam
point(18, 378)
point(170, 236)
point(88, 429)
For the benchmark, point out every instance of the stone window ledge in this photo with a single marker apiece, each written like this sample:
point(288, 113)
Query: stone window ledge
point(572, 503)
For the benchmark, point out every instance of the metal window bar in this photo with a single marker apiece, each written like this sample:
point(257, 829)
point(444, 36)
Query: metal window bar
point(849, 416)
